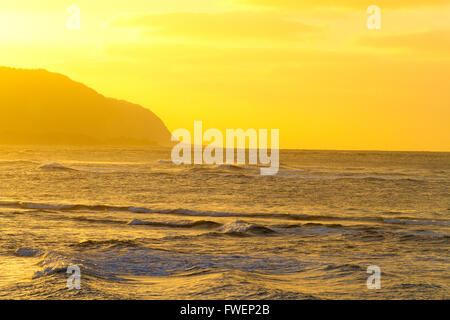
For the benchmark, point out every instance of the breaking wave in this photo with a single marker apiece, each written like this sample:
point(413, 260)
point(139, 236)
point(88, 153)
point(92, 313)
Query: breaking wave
point(188, 224)
point(196, 213)
point(244, 227)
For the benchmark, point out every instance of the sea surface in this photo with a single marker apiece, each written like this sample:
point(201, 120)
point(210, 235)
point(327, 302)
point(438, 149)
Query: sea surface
point(140, 227)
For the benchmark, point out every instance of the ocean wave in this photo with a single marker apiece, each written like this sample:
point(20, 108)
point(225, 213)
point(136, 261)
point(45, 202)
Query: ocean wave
point(406, 220)
point(165, 162)
point(85, 219)
point(327, 225)
point(56, 167)
point(107, 243)
point(187, 224)
point(230, 167)
point(122, 260)
point(345, 268)
point(236, 227)
point(99, 267)
point(309, 173)
point(59, 206)
point(422, 235)
point(52, 263)
point(205, 167)
point(242, 227)
point(28, 252)
point(46, 206)
point(97, 167)
point(412, 221)
point(213, 169)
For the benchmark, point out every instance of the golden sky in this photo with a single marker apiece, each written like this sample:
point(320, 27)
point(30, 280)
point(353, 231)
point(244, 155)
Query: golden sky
point(309, 68)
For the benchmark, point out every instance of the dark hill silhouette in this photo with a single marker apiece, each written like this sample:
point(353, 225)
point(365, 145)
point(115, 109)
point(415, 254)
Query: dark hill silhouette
point(41, 107)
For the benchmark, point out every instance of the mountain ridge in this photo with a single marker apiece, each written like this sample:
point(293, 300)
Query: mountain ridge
point(42, 107)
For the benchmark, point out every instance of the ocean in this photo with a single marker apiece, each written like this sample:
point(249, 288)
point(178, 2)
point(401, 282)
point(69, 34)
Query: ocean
point(139, 227)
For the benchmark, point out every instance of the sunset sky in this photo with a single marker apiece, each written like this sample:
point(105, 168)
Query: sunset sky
point(309, 68)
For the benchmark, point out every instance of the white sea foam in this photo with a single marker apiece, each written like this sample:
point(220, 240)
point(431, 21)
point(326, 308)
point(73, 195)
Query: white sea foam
point(239, 226)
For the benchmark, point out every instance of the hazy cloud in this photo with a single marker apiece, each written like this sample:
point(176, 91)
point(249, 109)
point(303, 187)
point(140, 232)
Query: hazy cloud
point(353, 4)
point(228, 26)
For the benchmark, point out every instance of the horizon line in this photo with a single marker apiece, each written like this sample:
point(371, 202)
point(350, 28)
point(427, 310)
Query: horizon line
point(169, 147)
